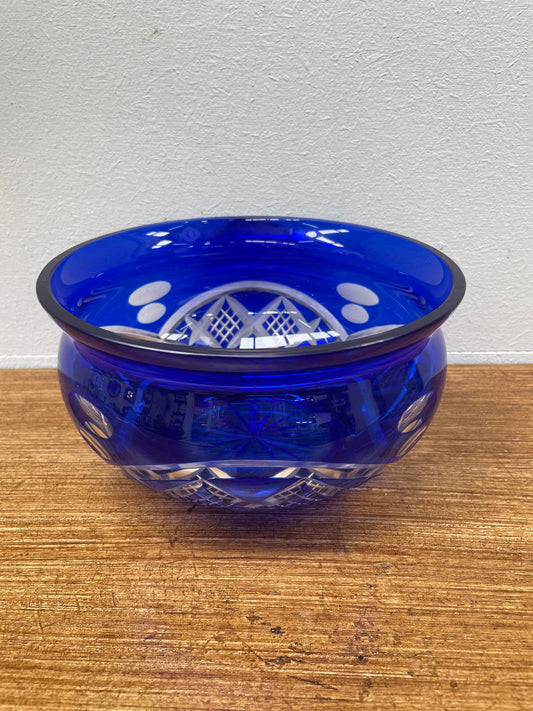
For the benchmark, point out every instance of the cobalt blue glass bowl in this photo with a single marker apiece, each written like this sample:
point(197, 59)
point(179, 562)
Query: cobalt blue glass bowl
point(251, 362)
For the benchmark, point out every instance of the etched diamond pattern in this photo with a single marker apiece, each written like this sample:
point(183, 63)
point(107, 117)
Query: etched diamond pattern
point(229, 322)
point(225, 324)
point(206, 485)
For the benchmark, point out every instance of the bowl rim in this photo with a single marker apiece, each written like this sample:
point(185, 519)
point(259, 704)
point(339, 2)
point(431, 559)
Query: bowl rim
point(358, 348)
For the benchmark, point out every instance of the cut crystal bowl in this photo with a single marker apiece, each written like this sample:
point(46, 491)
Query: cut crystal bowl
point(251, 362)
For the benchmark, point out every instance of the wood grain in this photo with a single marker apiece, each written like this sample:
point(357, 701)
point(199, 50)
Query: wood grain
point(413, 592)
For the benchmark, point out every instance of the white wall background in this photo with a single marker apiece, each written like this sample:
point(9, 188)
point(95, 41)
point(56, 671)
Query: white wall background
point(414, 116)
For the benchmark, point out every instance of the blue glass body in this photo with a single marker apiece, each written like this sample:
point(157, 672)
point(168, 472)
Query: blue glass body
point(253, 409)
point(336, 428)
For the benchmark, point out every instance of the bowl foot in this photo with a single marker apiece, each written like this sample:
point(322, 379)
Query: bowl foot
point(251, 487)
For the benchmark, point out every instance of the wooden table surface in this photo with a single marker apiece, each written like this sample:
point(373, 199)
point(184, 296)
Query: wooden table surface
point(413, 592)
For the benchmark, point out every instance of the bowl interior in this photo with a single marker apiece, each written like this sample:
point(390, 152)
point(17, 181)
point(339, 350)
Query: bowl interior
point(251, 283)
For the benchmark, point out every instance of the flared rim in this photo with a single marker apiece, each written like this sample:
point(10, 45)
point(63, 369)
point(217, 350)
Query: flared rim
point(358, 348)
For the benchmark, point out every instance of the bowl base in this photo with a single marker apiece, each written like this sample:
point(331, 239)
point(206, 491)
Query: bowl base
point(251, 487)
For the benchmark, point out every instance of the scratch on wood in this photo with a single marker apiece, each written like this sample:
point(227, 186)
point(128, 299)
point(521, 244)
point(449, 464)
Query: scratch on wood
point(313, 681)
point(40, 624)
